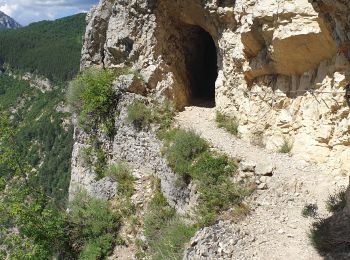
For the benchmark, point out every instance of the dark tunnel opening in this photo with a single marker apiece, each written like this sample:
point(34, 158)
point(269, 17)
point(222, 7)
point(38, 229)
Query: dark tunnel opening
point(201, 67)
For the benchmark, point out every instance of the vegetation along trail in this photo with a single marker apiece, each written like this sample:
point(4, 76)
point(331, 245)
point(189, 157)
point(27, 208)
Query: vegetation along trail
point(276, 228)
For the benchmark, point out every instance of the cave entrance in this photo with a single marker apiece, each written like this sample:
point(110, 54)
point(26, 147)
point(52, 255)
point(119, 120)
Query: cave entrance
point(201, 67)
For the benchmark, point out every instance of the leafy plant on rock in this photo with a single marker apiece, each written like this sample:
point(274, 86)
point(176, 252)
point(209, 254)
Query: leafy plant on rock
point(91, 95)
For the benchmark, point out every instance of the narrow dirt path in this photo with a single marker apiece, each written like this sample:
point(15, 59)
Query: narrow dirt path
point(275, 229)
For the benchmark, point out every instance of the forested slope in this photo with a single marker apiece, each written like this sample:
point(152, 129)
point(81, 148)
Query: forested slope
point(44, 135)
point(49, 48)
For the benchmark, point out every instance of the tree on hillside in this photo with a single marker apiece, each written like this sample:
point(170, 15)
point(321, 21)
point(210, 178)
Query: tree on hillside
point(30, 228)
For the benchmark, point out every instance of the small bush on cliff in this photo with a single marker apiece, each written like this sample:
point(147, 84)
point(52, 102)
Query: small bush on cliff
point(163, 114)
point(183, 147)
point(217, 192)
point(100, 162)
point(94, 158)
point(189, 156)
point(336, 201)
point(226, 122)
point(91, 95)
point(139, 114)
point(309, 210)
point(120, 173)
point(142, 115)
point(166, 233)
point(92, 227)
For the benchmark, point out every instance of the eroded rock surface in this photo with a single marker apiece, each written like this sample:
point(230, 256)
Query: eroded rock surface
point(140, 149)
point(281, 68)
point(281, 65)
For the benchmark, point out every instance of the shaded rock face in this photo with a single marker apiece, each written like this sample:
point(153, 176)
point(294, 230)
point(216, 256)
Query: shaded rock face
point(6, 22)
point(265, 57)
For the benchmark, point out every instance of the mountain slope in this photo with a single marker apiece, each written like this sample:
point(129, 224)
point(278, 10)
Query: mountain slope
point(44, 137)
point(6, 22)
point(44, 134)
point(48, 48)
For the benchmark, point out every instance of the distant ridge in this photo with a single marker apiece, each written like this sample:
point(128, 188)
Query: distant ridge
point(6, 22)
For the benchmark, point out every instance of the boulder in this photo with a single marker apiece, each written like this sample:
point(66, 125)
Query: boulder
point(265, 169)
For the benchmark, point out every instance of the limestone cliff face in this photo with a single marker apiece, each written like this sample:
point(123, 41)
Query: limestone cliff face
point(281, 65)
point(140, 149)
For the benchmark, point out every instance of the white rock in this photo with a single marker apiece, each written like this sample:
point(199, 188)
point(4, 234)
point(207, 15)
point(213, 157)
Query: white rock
point(265, 169)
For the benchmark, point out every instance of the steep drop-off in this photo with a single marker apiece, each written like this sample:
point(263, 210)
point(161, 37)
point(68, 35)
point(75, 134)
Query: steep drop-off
point(34, 66)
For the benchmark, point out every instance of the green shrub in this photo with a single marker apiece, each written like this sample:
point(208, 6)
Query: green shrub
point(171, 241)
point(142, 115)
point(167, 136)
point(286, 147)
point(337, 201)
point(100, 162)
point(92, 227)
point(217, 192)
point(163, 115)
point(310, 210)
point(228, 123)
point(165, 232)
point(184, 147)
point(158, 214)
point(86, 155)
point(94, 249)
point(125, 207)
point(94, 158)
point(331, 235)
point(120, 173)
point(212, 167)
point(139, 114)
point(188, 155)
point(91, 95)
point(74, 93)
point(90, 252)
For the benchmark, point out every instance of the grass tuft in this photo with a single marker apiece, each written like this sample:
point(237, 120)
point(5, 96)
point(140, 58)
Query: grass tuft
point(120, 173)
point(139, 114)
point(286, 147)
point(228, 123)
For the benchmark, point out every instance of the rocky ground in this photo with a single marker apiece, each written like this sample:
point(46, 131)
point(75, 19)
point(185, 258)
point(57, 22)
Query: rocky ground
point(275, 229)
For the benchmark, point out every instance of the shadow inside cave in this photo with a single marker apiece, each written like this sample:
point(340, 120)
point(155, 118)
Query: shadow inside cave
point(201, 67)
